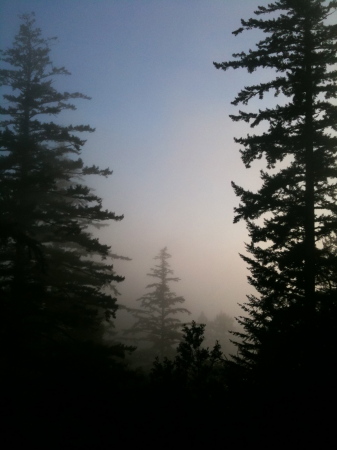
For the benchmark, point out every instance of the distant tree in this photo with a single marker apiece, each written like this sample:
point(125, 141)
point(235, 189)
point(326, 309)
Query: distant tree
point(294, 212)
point(56, 279)
point(219, 329)
point(155, 317)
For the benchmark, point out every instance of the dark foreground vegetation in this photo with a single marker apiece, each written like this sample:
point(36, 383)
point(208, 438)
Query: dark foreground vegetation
point(62, 384)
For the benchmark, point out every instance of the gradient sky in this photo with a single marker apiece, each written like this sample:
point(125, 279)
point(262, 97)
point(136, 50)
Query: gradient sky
point(160, 110)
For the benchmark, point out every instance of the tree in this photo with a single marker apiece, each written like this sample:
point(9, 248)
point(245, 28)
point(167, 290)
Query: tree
point(194, 368)
point(56, 278)
point(194, 380)
point(293, 214)
point(155, 318)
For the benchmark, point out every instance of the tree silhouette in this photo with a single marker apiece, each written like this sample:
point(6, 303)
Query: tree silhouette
point(193, 379)
point(293, 214)
point(46, 208)
point(155, 318)
point(195, 367)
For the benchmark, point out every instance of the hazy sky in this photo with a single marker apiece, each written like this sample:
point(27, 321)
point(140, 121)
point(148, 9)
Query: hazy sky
point(160, 110)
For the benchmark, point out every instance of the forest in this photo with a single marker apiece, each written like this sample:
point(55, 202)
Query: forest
point(72, 374)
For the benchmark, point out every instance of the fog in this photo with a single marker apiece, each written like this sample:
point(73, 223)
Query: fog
point(161, 114)
point(160, 110)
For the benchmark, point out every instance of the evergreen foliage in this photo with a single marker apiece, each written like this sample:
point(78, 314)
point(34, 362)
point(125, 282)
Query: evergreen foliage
point(292, 218)
point(56, 278)
point(156, 321)
point(195, 368)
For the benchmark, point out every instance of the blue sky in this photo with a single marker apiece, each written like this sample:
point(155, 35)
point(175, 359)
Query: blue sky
point(160, 110)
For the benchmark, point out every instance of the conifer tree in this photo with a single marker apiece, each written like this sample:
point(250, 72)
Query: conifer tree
point(293, 214)
point(156, 321)
point(55, 276)
point(195, 367)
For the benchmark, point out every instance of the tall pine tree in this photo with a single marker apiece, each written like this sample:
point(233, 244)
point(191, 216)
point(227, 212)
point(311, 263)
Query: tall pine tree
point(56, 278)
point(293, 216)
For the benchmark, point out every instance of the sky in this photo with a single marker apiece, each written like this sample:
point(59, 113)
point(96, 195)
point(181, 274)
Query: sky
point(160, 111)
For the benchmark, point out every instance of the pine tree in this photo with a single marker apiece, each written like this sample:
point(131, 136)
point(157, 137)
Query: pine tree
point(293, 214)
point(155, 317)
point(195, 368)
point(56, 278)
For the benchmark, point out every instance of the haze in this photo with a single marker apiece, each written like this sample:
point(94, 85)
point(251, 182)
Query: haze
point(160, 110)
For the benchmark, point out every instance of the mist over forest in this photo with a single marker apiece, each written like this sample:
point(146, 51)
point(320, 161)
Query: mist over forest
point(168, 226)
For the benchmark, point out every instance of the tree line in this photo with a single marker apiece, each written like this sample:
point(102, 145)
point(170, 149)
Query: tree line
point(57, 281)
